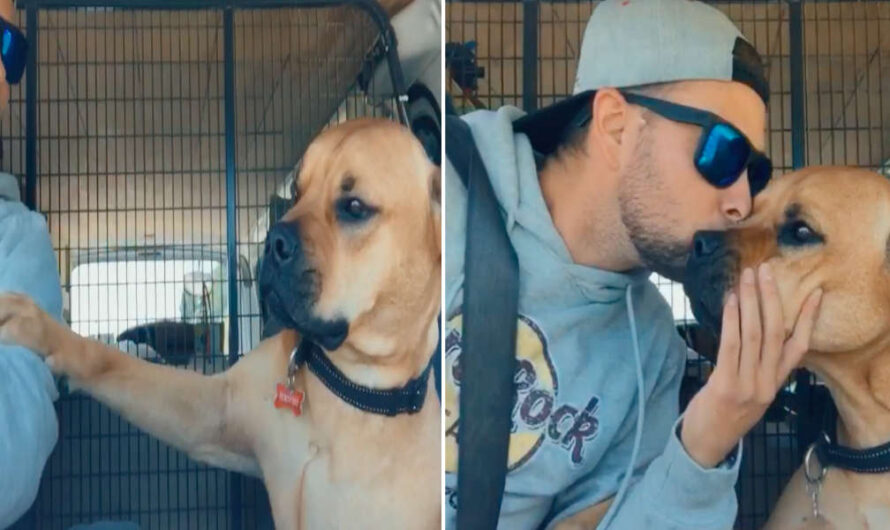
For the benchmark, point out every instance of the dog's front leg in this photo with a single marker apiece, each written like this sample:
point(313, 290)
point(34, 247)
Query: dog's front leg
point(183, 408)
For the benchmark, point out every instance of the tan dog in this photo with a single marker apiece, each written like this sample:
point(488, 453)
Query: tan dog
point(355, 265)
point(825, 227)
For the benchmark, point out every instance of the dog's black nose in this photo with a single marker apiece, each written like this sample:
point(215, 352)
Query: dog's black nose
point(707, 244)
point(282, 243)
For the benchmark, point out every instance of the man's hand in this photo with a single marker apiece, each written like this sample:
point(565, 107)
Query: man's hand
point(753, 363)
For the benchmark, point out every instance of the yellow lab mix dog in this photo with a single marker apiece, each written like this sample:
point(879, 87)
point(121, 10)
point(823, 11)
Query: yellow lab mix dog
point(828, 228)
point(339, 418)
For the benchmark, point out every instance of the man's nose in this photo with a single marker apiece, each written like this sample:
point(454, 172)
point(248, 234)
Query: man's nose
point(736, 201)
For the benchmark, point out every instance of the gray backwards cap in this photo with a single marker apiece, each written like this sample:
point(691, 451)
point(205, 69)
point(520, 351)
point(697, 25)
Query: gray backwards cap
point(640, 42)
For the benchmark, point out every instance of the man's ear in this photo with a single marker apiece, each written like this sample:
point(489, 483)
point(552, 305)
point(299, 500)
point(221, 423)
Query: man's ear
point(436, 205)
point(436, 187)
point(608, 124)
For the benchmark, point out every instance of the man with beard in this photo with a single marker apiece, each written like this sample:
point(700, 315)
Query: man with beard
point(662, 138)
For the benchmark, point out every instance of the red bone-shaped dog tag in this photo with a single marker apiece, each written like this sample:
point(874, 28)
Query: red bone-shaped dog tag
point(289, 399)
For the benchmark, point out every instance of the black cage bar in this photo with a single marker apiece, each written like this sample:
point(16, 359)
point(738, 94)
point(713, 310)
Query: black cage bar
point(159, 138)
point(825, 63)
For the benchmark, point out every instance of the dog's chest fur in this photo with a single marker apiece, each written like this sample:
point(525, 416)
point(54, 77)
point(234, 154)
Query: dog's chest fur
point(848, 501)
point(337, 467)
point(872, 495)
point(852, 500)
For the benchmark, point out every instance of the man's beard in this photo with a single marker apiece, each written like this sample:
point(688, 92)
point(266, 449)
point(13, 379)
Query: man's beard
point(646, 221)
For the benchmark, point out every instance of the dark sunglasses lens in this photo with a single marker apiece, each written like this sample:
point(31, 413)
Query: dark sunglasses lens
point(14, 53)
point(723, 156)
point(760, 171)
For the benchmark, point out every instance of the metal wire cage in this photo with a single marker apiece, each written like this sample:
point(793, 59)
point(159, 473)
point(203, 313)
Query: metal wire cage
point(159, 138)
point(824, 60)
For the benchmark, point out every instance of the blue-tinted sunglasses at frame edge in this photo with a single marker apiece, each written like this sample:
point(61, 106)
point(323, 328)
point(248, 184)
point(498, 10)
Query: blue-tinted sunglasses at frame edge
point(13, 51)
point(723, 152)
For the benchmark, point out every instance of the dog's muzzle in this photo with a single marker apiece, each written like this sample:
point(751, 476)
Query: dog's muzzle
point(289, 287)
point(709, 275)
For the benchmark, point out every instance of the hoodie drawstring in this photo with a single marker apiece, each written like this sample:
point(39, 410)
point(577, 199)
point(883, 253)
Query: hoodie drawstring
point(641, 413)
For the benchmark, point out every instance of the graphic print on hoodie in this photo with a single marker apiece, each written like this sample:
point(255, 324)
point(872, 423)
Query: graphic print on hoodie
point(538, 416)
point(574, 424)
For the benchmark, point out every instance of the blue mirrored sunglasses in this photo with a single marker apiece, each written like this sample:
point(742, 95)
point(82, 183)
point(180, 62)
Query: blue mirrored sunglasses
point(13, 51)
point(723, 151)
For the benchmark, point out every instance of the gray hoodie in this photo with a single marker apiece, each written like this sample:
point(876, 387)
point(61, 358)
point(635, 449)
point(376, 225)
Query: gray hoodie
point(590, 343)
point(28, 426)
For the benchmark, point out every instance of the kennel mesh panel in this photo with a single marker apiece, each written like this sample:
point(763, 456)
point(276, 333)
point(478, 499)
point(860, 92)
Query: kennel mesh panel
point(321, 51)
point(846, 75)
point(528, 53)
point(133, 177)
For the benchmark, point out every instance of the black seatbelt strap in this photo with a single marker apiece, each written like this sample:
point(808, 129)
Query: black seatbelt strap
point(488, 359)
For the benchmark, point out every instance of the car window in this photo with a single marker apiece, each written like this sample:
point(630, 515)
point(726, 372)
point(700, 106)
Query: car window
point(108, 297)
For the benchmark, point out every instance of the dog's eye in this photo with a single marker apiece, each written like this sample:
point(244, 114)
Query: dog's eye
point(354, 210)
point(798, 234)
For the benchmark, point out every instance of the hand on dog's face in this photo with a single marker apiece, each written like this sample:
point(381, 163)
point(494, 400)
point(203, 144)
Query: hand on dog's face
point(360, 249)
point(825, 227)
point(820, 230)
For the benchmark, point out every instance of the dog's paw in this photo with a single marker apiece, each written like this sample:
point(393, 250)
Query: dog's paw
point(24, 323)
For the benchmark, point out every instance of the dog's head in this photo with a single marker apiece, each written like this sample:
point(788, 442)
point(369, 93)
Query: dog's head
point(825, 227)
point(358, 256)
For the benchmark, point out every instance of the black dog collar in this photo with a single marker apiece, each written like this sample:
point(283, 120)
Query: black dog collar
point(387, 402)
point(831, 454)
point(871, 460)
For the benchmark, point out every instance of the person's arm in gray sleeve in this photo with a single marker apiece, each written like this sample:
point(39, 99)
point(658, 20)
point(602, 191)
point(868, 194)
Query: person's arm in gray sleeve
point(669, 490)
point(28, 425)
